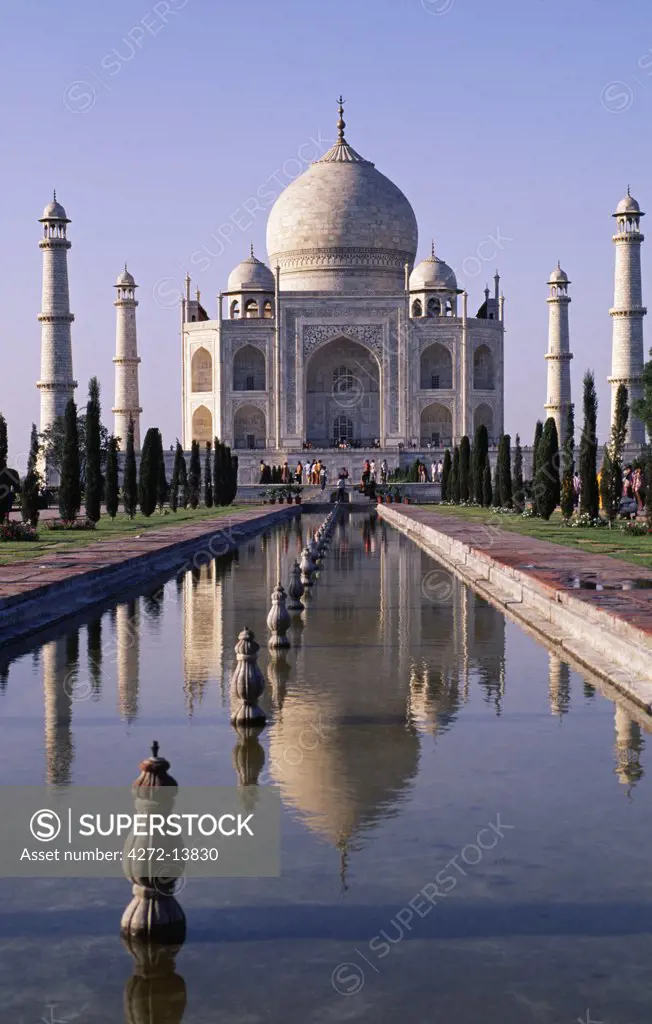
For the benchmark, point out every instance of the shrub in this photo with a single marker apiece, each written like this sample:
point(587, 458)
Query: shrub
point(12, 529)
point(70, 525)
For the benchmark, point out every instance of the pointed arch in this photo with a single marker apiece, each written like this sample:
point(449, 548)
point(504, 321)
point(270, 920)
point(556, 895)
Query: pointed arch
point(249, 427)
point(483, 369)
point(201, 370)
point(436, 424)
point(202, 425)
point(249, 369)
point(436, 368)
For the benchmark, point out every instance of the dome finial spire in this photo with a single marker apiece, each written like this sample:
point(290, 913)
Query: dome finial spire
point(432, 248)
point(54, 195)
point(251, 249)
point(341, 124)
point(628, 192)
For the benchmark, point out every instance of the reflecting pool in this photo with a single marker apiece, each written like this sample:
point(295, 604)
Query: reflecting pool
point(466, 819)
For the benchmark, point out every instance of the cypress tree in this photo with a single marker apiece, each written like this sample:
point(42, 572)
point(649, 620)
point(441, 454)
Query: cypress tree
point(184, 495)
point(465, 468)
point(162, 489)
point(93, 487)
point(219, 468)
point(480, 455)
point(446, 475)
point(611, 480)
point(70, 486)
point(547, 479)
point(487, 491)
point(568, 467)
point(589, 449)
point(642, 407)
point(31, 483)
point(496, 480)
point(505, 473)
point(233, 478)
point(129, 480)
point(112, 477)
point(148, 475)
point(538, 431)
point(208, 477)
point(454, 484)
point(5, 488)
point(518, 492)
point(176, 477)
point(194, 476)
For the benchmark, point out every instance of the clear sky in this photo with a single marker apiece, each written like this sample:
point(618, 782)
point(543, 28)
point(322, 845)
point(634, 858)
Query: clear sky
point(517, 120)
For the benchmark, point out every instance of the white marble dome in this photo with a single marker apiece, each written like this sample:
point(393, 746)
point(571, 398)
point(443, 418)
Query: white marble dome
point(54, 211)
point(252, 275)
point(558, 276)
point(628, 205)
point(433, 274)
point(342, 226)
point(125, 279)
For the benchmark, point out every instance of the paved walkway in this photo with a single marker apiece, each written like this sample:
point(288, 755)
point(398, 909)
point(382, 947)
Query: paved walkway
point(34, 577)
point(620, 588)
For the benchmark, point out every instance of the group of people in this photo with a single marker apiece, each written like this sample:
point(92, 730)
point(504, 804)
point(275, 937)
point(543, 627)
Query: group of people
point(313, 472)
point(436, 470)
point(372, 474)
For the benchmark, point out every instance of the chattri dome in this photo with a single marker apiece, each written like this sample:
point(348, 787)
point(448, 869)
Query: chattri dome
point(342, 226)
point(558, 276)
point(433, 273)
point(252, 275)
point(125, 279)
point(627, 205)
point(54, 211)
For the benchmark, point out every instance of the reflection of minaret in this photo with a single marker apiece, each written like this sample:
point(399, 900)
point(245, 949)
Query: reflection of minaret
point(94, 641)
point(201, 631)
point(558, 685)
point(628, 749)
point(127, 632)
point(59, 676)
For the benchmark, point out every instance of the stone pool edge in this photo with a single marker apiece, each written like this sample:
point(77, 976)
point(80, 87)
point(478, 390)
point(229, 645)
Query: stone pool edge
point(606, 645)
point(45, 605)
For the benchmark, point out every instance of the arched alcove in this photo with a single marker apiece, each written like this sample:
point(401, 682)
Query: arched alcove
point(201, 371)
point(436, 368)
point(436, 425)
point(249, 427)
point(483, 369)
point(484, 415)
point(202, 425)
point(343, 379)
point(249, 369)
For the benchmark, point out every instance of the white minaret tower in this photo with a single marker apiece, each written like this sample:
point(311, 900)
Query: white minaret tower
point(559, 354)
point(627, 313)
point(126, 361)
point(56, 385)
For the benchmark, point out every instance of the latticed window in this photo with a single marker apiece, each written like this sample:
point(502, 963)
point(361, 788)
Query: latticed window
point(434, 381)
point(342, 429)
point(342, 379)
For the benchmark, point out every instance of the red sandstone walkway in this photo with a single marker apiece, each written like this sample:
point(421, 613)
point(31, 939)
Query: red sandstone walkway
point(20, 579)
point(625, 590)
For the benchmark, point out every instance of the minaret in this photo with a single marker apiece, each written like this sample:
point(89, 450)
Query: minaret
point(56, 384)
point(627, 313)
point(558, 355)
point(126, 361)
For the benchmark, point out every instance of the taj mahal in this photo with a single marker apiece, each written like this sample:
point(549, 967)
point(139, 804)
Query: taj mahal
point(342, 342)
point(346, 340)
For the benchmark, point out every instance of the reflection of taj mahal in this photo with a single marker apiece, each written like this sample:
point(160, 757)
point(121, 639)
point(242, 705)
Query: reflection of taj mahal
point(345, 339)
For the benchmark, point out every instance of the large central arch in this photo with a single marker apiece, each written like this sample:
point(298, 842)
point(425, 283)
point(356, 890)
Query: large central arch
point(342, 384)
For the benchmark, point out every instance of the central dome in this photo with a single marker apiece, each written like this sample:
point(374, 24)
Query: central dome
point(342, 226)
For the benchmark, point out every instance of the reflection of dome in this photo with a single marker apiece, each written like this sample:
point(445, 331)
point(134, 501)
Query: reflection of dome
point(251, 275)
point(432, 273)
point(342, 226)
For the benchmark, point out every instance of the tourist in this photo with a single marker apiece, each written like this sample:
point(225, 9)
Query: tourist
point(384, 471)
point(433, 472)
point(341, 488)
point(637, 485)
point(285, 474)
point(440, 470)
point(323, 477)
point(366, 472)
point(262, 472)
point(372, 471)
point(577, 489)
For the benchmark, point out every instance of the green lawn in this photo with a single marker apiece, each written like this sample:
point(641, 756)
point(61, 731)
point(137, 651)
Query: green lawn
point(594, 541)
point(107, 529)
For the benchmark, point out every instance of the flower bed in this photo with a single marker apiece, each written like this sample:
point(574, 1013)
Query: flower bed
point(13, 529)
point(634, 528)
point(69, 524)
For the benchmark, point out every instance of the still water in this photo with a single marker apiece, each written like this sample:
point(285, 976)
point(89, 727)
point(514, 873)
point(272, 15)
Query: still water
point(466, 820)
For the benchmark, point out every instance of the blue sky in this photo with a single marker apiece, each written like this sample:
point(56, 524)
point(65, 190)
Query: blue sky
point(517, 120)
